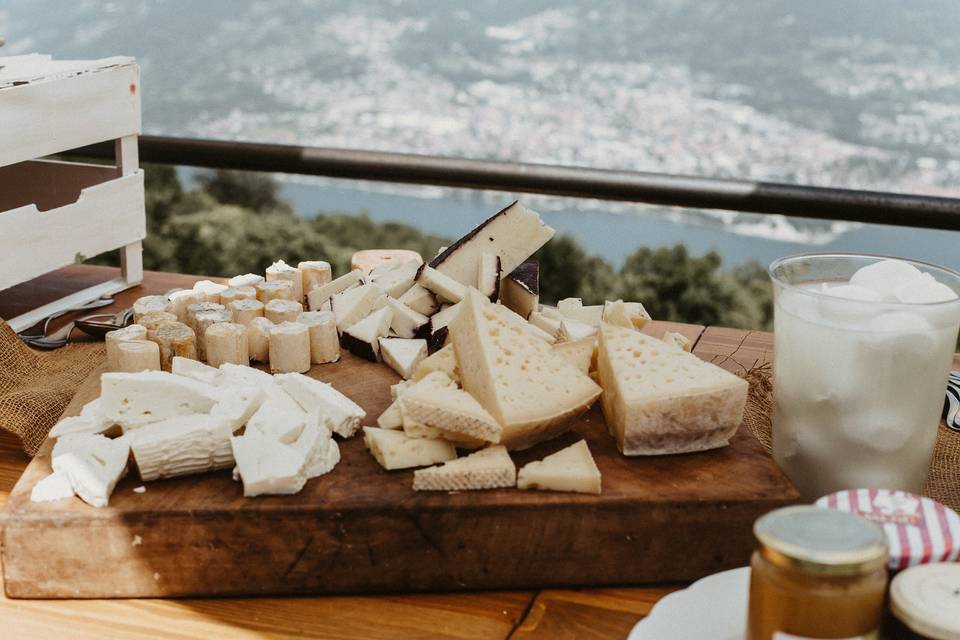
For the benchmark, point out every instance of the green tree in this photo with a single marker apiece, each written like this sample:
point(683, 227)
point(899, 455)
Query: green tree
point(256, 191)
point(567, 271)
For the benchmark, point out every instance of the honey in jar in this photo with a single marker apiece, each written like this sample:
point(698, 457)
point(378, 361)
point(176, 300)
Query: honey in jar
point(816, 573)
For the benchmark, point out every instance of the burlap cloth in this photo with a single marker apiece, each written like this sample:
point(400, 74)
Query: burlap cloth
point(36, 386)
point(943, 483)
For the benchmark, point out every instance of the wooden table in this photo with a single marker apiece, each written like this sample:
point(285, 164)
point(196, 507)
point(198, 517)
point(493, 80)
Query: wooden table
point(548, 613)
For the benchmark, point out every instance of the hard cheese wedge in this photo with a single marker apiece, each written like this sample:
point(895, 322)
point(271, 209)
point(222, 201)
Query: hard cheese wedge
point(444, 360)
point(659, 400)
point(489, 468)
point(570, 469)
point(452, 410)
point(395, 450)
point(530, 391)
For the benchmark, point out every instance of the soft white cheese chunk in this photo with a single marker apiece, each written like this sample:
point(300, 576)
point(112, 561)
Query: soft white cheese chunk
point(397, 279)
point(238, 375)
point(92, 463)
point(444, 286)
point(136, 399)
point(391, 418)
point(420, 300)
point(395, 450)
point(195, 369)
point(344, 414)
point(182, 446)
point(353, 305)
point(238, 404)
point(267, 466)
point(55, 486)
point(317, 446)
point(278, 417)
point(403, 355)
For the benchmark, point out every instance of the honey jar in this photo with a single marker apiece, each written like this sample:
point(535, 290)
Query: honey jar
point(816, 573)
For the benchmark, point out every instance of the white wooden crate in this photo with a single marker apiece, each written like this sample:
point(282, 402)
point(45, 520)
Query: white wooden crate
point(52, 213)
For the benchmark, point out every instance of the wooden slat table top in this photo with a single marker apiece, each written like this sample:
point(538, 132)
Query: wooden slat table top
point(556, 614)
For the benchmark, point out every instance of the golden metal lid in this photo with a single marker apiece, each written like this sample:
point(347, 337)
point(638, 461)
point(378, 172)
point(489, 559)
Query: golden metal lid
point(926, 598)
point(821, 541)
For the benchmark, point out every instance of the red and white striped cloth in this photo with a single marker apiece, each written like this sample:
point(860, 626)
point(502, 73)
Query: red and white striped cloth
point(919, 530)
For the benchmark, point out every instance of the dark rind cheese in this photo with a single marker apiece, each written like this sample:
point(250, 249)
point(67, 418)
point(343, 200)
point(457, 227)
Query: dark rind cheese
point(452, 249)
point(520, 290)
point(360, 347)
point(527, 275)
point(488, 281)
point(437, 339)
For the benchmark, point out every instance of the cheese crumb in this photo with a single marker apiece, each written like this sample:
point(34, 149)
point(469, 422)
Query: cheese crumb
point(140, 489)
point(137, 541)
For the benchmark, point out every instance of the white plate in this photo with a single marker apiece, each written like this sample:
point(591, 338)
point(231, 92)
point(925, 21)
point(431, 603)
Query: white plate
point(714, 608)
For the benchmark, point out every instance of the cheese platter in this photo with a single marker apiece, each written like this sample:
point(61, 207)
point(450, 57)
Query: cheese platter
point(406, 426)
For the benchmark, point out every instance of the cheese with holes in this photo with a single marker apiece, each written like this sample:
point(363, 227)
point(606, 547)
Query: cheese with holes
point(395, 450)
point(92, 463)
point(363, 337)
point(135, 399)
point(182, 446)
point(403, 355)
point(406, 322)
point(268, 466)
point(515, 319)
point(532, 392)
point(444, 360)
point(420, 300)
point(312, 395)
point(579, 353)
point(660, 400)
point(452, 410)
point(520, 289)
point(489, 468)
point(355, 304)
point(321, 295)
point(571, 469)
point(445, 287)
point(513, 234)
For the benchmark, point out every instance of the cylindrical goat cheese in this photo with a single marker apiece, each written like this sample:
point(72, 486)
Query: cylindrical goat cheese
point(280, 270)
point(245, 310)
point(246, 280)
point(277, 311)
point(149, 304)
point(209, 289)
point(155, 318)
point(314, 273)
point(174, 339)
point(197, 308)
point(113, 338)
point(290, 348)
point(258, 339)
point(202, 322)
point(237, 293)
point(226, 342)
point(180, 300)
point(324, 341)
point(138, 355)
point(276, 289)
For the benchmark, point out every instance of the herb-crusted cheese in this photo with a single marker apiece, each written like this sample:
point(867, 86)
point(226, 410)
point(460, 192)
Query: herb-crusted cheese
point(571, 469)
point(658, 399)
point(532, 392)
point(489, 468)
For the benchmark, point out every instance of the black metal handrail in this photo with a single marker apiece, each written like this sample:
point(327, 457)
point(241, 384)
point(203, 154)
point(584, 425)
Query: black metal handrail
point(626, 186)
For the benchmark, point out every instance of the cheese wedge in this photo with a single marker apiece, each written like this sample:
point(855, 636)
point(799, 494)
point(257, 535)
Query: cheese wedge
point(321, 295)
point(406, 322)
point(677, 340)
point(660, 400)
point(135, 399)
point(182, 446)
point(545, 323)
point(403, 355)
point(355, 304)
point(489, 468)
point(444, 360)
point(573, 308)
point(570, 469)
point(317, 446)
point(342, 412)
point(92, 463)
point(625, 314)
point(279, 416)
point(392, 417)
point(530, 391)
point(195, 369)
point(395, 450)
point(397, 279)
point(488, 276)
point(268, 466)
point(574, 330)
point(444, 286)
point(579, 353)
point(520, 290)
point(363, 338)
point(516, 320)
point(452, 410)
point(420, 300)
point(513, 234)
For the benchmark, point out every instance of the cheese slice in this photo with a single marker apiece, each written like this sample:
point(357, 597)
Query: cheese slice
point(661, 400)
point(625, 314)
point(92, 463)
point(396, 279)
point(363, 338)
point(570, 469)
point(516, 320)
point(238, 404)
point(489, 468)
point(444, 286)
point(317, 298)
point(55, 486)
point(545, 323)
point(355, 304)
point(403, 355)
point(677, 340)
point(238, 375)
point(513, 234)
point(530, 391)
point(520, 290)
point(392, 417)
point(394, 450)
point(444, 360)
point(279, 416)
point(579, 353)
point(574, 330)
point(317, 446)
point(342, 412)
point(135, 399)
point(573, 308)
point(195, 369)
point(182, 446)
point(406, 322)
point(396, 390)
point(488, 276)
point(267, 466)
point(452, 410)
point(420, 300)
point(79, 424)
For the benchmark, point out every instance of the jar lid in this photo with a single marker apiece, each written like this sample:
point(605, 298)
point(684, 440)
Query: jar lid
point(927, 600)
point(821, 541)
point(919, 530)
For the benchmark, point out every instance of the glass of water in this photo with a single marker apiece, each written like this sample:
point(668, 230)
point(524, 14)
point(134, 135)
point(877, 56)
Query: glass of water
point(862, 349)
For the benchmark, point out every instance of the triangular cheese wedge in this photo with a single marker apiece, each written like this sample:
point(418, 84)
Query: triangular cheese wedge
point(444, 360)
point(403, 355)
point(488, 468)
point(570, 469)
point(579, 353)
point(363, 337)
point(452, 410)
point(658, 399)
point(532, 392)
point(625, 314)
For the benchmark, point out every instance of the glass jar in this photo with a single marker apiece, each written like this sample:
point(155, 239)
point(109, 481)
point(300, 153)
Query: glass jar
point(816, 574)
point(925, 603)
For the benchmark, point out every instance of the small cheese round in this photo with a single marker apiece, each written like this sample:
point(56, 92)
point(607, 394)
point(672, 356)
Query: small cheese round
point(181, 299)
point(282, 289)
point(280, 270)
point(290, 348)
point(324, 341)
point(197, 308)
point(138, 355)
point(245, 310)
point(315, 274)
point(237, 293)
point(226, 342)
point(202, 322)
point(149, 304)
point(174, 339)
point(258, 339)
point(277, 311)
point(155, 318)
point(113, 338)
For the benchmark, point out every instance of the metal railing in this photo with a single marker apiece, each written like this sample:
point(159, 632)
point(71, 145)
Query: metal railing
point(626, 186)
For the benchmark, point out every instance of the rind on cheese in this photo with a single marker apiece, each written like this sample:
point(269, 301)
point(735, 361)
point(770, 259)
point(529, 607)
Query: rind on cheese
point(571, 469)
point(395, 450)
point(520, 289)
point(660, 400)
point(532, 392)
point(182, 446)
point(420, 300)
point(489, 468)
point(363, 337)
point(452, 410)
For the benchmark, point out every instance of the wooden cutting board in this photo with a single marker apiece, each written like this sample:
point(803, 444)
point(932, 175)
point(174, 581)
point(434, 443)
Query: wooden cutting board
point(361, 529)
